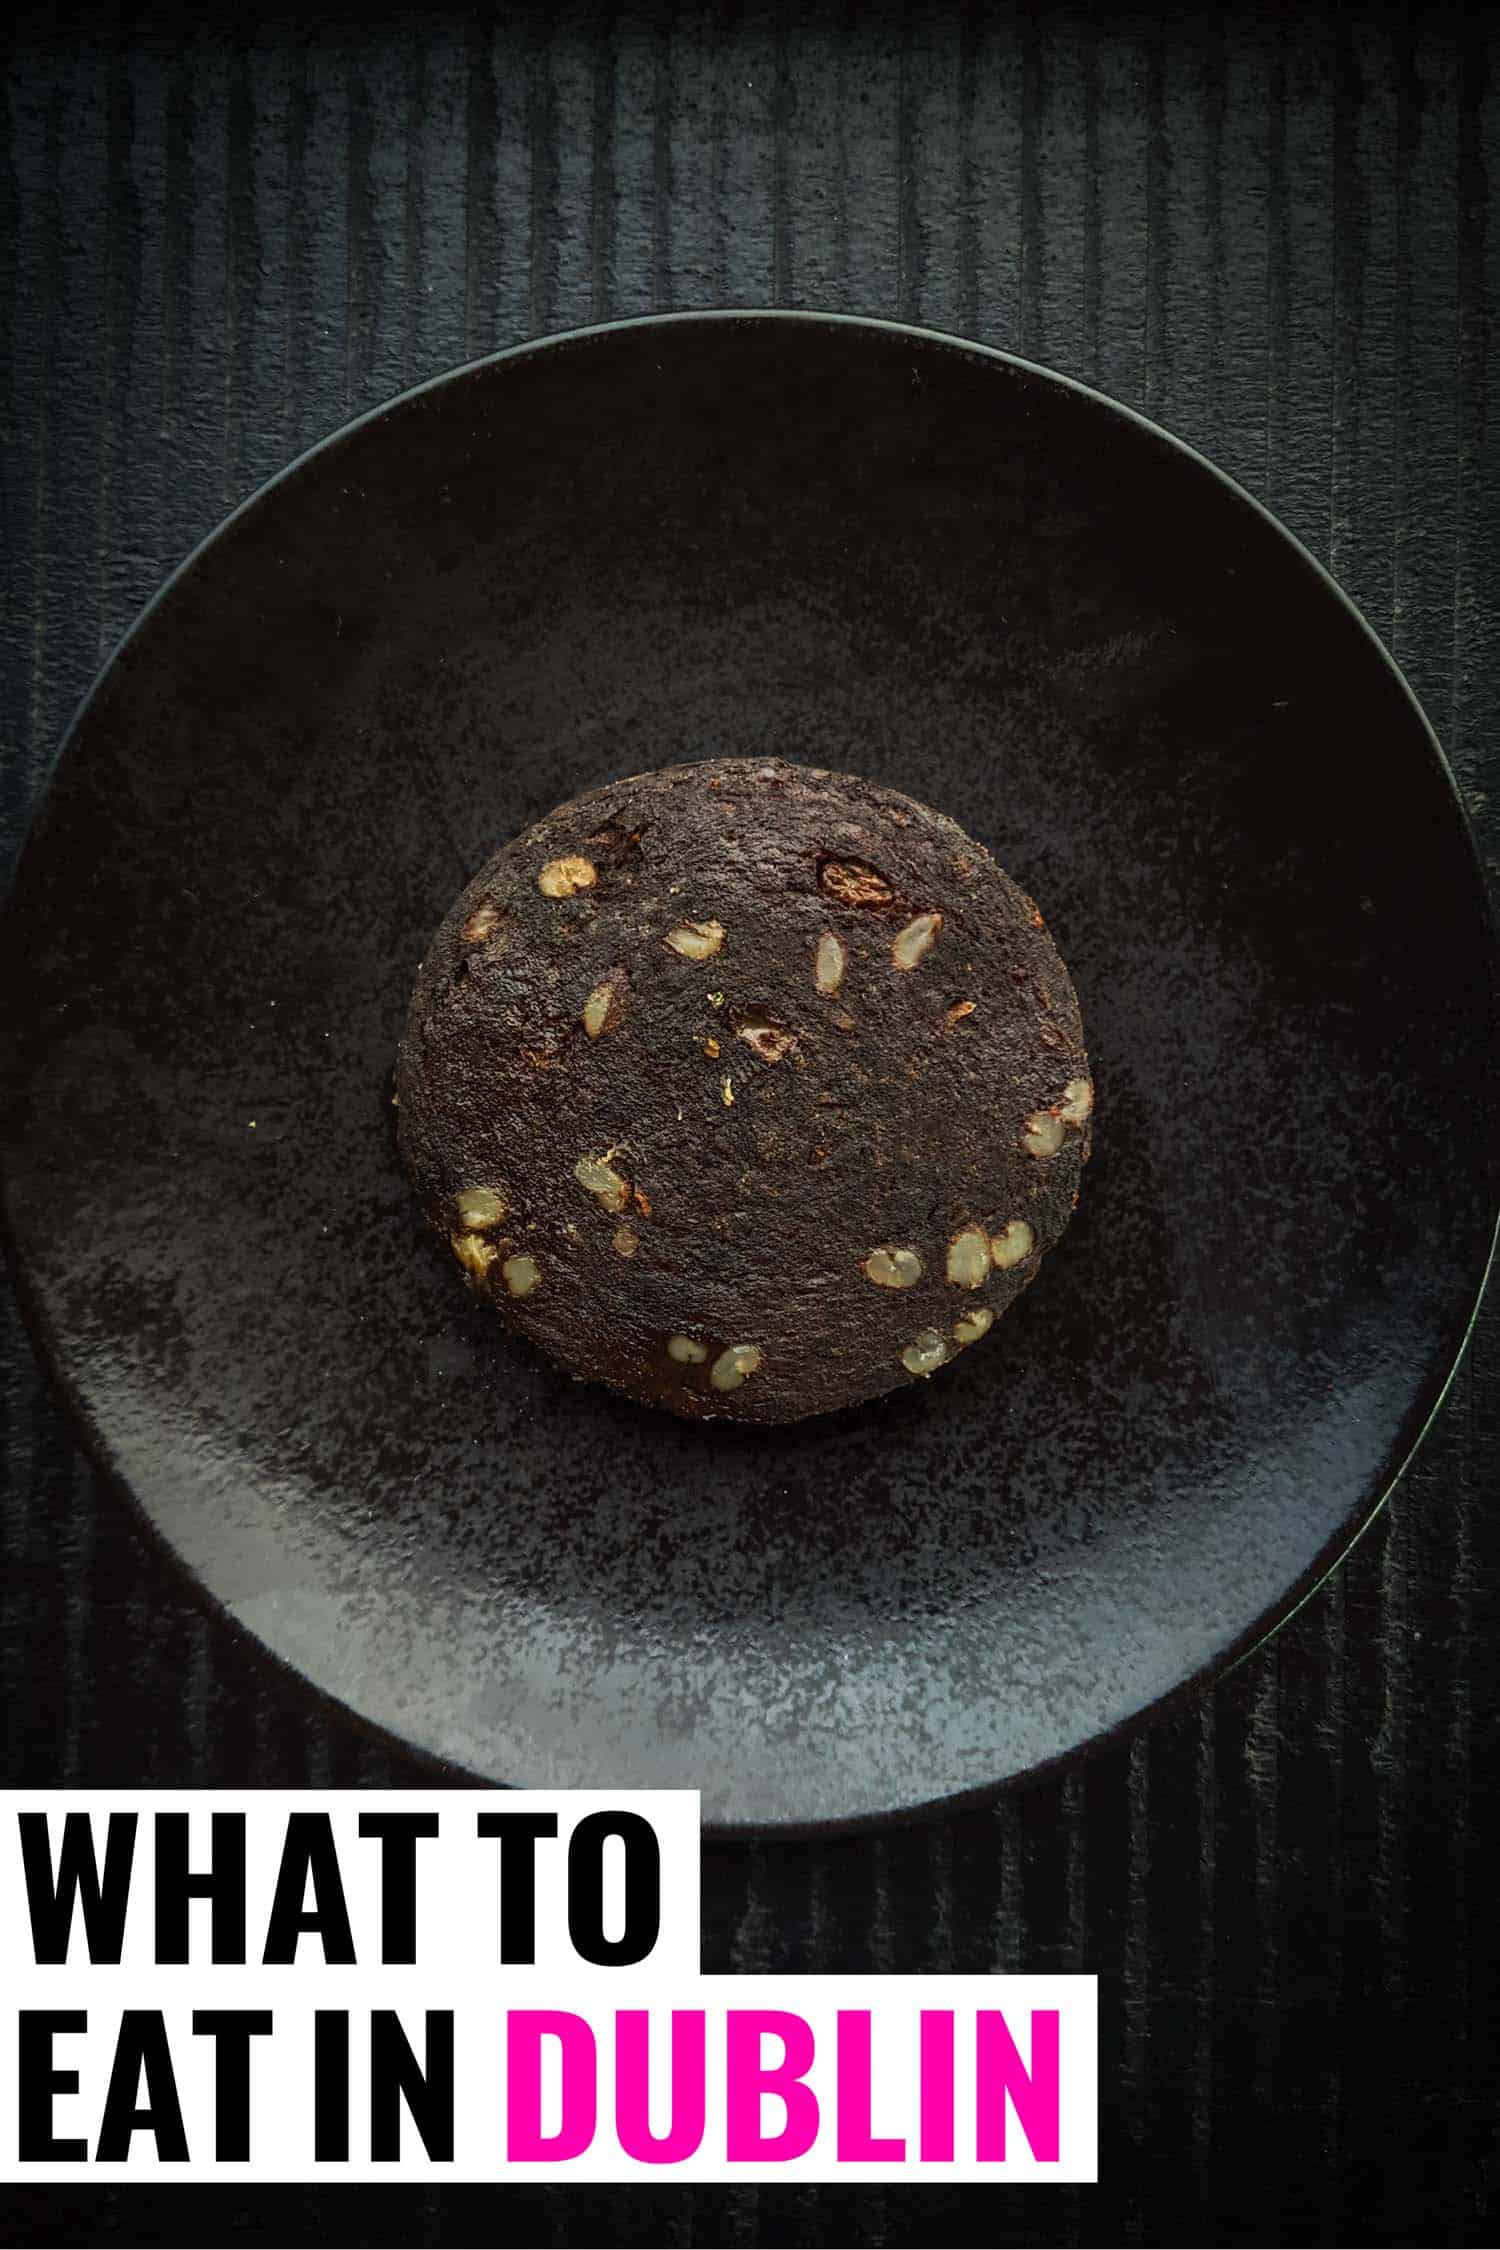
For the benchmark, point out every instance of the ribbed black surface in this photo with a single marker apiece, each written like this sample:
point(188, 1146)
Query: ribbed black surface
point(1279, 235)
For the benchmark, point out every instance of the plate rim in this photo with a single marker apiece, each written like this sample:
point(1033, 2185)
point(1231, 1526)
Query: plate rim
point(1437, 1379)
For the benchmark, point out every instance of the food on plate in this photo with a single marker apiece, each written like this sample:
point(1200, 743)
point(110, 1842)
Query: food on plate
point(749, 1089)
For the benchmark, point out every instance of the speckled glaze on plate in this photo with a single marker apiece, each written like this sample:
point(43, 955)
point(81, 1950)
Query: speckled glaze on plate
point(872, 549)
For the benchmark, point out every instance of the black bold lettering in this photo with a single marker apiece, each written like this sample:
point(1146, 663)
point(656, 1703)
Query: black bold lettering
point(50, 1898)
point(398, 1833)
point(143, 2063)
point(231, 2030)
point(37, 2080)
point(518, 1833)
point(330, 2085)
point(224, 1883)
point(586, 1889)
point(309, 1851)
point(396, 2075)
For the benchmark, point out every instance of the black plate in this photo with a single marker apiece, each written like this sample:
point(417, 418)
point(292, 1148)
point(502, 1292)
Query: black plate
point(864, 547)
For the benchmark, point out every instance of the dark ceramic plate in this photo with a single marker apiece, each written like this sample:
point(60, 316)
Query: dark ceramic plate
point(864, 547)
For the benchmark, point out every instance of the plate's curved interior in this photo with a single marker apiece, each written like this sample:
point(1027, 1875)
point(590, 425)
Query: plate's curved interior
point(863, 549)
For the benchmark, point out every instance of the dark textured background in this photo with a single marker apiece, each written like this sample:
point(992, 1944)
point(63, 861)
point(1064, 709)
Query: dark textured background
point(1278, 235)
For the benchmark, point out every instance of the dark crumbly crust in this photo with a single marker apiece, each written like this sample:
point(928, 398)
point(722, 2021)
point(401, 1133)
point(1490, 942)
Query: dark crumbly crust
point(748, 1139)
